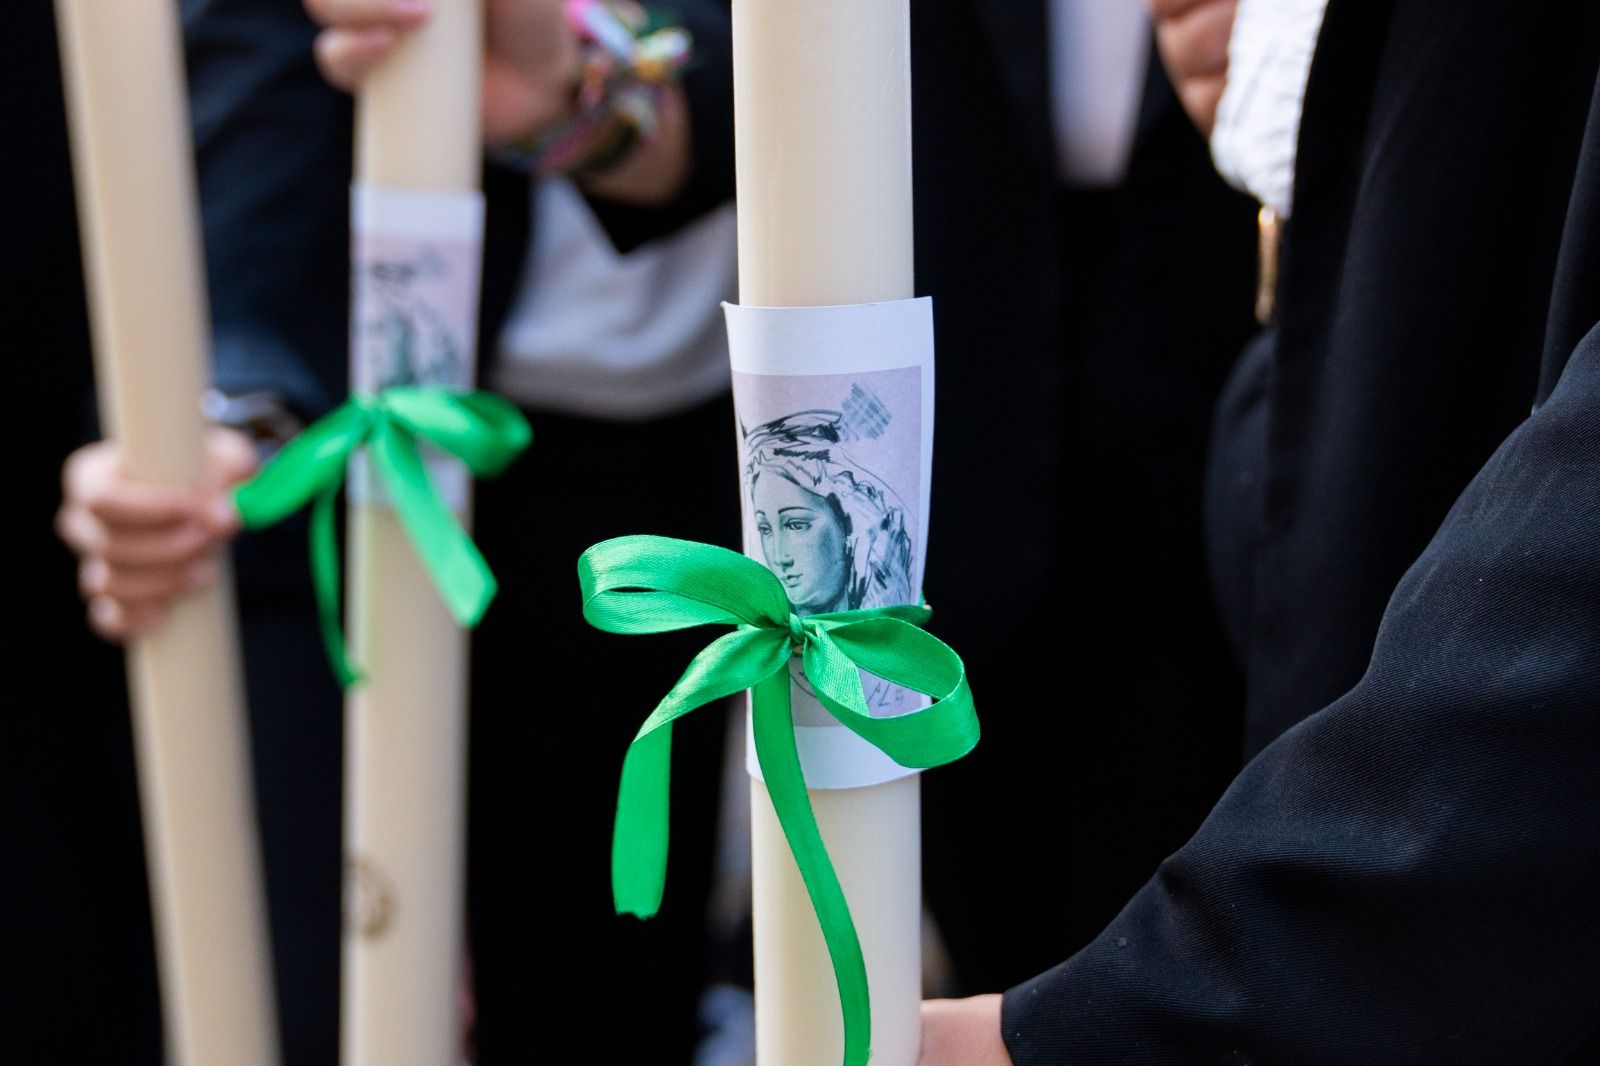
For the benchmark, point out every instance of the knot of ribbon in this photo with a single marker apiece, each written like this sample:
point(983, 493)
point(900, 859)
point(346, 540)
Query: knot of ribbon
point(482, 430)
point(655, 585)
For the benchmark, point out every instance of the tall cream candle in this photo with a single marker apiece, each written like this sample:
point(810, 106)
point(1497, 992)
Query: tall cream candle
point(137, 208)
point(823, 138)
point(405, 780)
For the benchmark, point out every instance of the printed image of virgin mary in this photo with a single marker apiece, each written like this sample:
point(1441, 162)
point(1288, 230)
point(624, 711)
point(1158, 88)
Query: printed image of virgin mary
point(834, 534)
point(403, 335)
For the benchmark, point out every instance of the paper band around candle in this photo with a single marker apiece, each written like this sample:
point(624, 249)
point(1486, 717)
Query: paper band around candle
point(635, 585)
point(481, 429)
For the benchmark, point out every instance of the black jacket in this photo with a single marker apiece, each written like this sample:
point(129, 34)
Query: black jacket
point(1436, 157)
point(1409, 874)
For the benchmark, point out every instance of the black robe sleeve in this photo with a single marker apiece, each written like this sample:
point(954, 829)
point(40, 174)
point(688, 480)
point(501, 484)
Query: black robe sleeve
point(1412, 875)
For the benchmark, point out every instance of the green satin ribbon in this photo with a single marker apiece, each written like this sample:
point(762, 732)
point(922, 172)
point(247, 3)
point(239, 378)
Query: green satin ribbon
point(655, 585)
point(482, 430)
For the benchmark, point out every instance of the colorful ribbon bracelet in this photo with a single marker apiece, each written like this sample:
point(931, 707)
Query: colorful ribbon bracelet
point(630, 57)
point(482, 430)
point(637, 585)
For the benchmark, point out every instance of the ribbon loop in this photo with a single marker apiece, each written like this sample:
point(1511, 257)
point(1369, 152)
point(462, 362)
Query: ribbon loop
point(459, 572)
point(482, 430)
point(636, 585)
point(657, 584)
point(730, 664)
point(303, 468)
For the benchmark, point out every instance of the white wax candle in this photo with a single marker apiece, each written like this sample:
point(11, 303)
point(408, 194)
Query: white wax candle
point(137, 210)
point(823, 137)
point(405, 761)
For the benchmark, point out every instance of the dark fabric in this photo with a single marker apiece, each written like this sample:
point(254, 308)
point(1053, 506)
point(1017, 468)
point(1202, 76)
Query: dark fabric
point(1416, 282)
point(274, 152)
point(1235, 497)
point(274, 148)
point(1408, 875)
point(1577, 284)
point(1082, 337)
point(542, 799)
point(296, 733)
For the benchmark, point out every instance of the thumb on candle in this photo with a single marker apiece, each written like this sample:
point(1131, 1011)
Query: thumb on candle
point(230, 460)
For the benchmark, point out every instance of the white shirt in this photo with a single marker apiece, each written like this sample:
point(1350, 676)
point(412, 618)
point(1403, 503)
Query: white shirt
point(598, 333)
point(1257, 135)
point(1099, 51)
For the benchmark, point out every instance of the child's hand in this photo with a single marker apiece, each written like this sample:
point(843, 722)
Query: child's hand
point(141, 546)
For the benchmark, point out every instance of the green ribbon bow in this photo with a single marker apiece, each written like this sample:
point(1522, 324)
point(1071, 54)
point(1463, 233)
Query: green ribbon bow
point(655, 585)
point(482, 430)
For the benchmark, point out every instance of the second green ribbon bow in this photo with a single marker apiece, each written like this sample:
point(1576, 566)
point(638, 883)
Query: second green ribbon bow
point(655, 585)
point(482, 430)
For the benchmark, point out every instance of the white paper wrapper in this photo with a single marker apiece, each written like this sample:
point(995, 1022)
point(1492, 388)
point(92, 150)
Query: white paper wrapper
point(835, 426)
point(415, 260)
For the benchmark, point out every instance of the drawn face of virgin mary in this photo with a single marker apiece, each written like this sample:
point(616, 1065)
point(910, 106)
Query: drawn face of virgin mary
point(804, 540)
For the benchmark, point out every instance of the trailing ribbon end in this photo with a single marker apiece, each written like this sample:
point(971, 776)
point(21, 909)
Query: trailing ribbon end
point(640, 837)
point(483, 431)
point(325, 581)
point(772, 721)
point(634, 585)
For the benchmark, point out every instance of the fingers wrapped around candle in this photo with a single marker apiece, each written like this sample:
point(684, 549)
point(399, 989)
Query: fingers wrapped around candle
point(531, 66)
point(141, 546)
point(358, 35)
